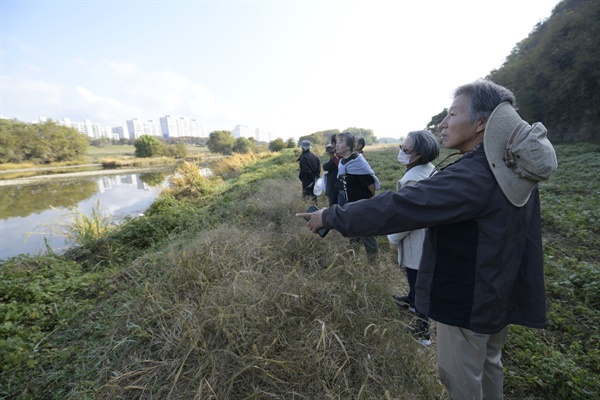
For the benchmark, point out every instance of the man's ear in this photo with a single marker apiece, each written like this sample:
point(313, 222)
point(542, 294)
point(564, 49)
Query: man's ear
point(481, 125)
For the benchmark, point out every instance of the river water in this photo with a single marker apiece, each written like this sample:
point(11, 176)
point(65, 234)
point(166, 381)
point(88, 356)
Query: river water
point(34, 212)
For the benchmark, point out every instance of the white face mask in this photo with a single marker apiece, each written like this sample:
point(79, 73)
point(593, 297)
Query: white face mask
point(403, 158)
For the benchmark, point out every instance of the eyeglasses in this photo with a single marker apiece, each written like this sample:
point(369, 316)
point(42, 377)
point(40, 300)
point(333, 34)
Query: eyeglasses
point(404, 149)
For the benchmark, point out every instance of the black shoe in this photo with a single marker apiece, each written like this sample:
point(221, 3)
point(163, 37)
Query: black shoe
point(422, 333)
point(422, 337)
point(424, 341)
point(404, 302)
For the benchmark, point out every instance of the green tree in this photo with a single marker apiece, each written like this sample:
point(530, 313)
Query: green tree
point(436, 120)
point(148, 146)
point(366, 133)
point(291, 143)
point(242, 146)
point(554, 72)
point(220, 142)
point(175, 150)
point(10, 146)
point(319, 139)
point(277, 145)
point(59, 143)
point(39, 143)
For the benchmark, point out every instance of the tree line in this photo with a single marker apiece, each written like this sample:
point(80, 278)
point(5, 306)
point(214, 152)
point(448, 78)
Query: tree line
point(39, 143)
point(555, 74)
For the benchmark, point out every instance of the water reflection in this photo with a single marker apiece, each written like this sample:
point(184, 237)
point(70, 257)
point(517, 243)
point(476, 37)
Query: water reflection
point(30, 213)
point(24, 200)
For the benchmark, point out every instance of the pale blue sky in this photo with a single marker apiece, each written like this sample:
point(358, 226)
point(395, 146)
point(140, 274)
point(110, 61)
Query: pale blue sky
point(288, 67)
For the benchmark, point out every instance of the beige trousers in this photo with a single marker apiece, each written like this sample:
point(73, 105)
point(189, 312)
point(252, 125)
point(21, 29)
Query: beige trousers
point(469, 363)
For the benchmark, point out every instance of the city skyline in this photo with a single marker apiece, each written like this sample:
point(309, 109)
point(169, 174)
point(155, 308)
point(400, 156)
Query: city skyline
point(291, 68)
point(167, 127)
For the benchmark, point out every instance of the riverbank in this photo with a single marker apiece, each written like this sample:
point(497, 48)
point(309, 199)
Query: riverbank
point(228, 295)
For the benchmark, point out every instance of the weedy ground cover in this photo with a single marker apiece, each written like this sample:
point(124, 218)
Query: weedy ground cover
point(220, 292)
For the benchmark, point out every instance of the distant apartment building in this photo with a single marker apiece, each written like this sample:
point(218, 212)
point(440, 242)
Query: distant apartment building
point(244, 131)
point(172, 127)
point(137, 128)
point(248, 132)
point(120, 132)
point(88, 128)
point(166, 127)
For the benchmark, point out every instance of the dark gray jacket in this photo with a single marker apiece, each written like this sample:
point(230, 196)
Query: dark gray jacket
point(482, 264)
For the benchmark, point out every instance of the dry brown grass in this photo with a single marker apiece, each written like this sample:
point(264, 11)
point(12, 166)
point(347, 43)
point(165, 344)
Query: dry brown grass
point(232, 166)
point(262, 308)
point(134, 161)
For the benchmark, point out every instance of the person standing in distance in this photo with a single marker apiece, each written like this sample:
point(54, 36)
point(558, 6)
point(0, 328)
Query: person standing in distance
point(331, 169)
point(356, 181)
point(310, 170)
point(482, 263)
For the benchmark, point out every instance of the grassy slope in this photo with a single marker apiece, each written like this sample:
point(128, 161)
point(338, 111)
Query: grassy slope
point(229, 296)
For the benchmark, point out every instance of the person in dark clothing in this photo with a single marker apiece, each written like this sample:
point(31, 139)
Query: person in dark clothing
point(356, 181)
point(482, 263)
point(331, 169)
point(310, 170)
point(360, 145)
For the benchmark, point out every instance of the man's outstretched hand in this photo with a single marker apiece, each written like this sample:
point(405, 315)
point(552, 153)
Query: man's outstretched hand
point(315, 219)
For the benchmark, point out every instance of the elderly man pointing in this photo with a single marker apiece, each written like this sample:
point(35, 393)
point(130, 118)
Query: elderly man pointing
point(482, 264)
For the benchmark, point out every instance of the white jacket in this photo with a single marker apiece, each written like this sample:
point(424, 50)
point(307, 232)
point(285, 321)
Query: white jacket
point(410, 244)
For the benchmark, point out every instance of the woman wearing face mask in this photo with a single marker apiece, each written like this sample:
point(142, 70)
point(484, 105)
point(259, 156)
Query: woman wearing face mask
point(416, 153)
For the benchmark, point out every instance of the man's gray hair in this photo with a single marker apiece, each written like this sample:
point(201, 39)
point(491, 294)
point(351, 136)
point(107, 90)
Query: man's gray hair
point(426, 144)
point(484, 96)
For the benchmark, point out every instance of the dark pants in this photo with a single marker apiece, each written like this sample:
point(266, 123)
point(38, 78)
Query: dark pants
point(370, 242)
point(411, 277)
point(308, 184)
point(341, 200)
point(422, 321)
point(333, 197)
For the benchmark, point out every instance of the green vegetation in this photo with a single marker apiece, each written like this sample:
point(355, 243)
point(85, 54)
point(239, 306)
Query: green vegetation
point(148, 146)
point(321, 138)
point(220, 142)
point(152, 146)
point(554, 72)
point(41, 143)
point(218, 291)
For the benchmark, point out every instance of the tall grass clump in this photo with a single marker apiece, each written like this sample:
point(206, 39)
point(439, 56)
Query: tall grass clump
point(188, 182)
point(80, 229)
point(260, 307)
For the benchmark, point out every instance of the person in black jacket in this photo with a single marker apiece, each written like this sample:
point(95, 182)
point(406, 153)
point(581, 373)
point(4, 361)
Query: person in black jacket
point(482, 264)
point(310, 170)
point(331, 168)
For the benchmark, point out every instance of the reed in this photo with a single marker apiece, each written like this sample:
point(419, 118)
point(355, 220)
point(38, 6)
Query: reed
point(84, 230)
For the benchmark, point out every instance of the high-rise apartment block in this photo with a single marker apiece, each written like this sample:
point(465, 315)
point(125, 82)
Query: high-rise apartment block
point(248, 132)
point(89, 128)
point(167, 127)
point(137, 128)
point(172, 127)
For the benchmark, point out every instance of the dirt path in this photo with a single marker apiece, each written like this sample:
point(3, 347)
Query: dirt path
point(8, 171)
point(41, 178)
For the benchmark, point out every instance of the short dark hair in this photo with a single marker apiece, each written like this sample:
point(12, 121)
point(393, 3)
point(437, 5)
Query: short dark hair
point(426, 145)
point(348, 138)
point(360, 141)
